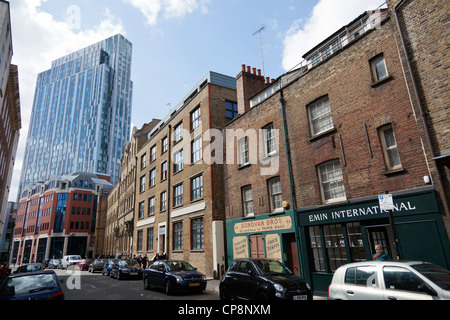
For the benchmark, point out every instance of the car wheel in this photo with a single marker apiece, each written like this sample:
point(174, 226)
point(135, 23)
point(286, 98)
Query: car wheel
point(168, 287)
point(119, 276)
point(224, 293)
point(147, 283)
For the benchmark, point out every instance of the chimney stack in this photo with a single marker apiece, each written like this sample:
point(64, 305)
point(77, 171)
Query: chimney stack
point(248, 84)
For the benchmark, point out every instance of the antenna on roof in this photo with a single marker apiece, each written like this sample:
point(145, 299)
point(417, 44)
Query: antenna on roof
point(260, 44)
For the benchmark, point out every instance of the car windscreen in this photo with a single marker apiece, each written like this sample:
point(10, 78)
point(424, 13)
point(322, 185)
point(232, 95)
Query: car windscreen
point(271, 267)
point(28, 284)
point(438, 275)
point(179, 266)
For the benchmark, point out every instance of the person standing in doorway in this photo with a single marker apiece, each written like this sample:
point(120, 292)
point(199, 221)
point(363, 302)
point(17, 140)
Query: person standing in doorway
point(380, 255)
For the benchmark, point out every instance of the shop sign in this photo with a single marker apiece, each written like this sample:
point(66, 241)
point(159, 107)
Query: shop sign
point(240, 247)
point(406, 205)
point(264, 225)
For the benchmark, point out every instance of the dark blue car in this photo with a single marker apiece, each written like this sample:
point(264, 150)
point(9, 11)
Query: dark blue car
point(174, 276)
point(40, 285)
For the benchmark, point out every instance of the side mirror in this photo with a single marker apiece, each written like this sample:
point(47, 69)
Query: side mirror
point(427, 289)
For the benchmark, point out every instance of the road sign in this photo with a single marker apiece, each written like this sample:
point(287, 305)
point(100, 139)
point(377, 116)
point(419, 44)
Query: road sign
point(386, 202)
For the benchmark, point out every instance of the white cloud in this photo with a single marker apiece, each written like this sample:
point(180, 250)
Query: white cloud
point(38, 39)
point(169, 8)
point(327, 17)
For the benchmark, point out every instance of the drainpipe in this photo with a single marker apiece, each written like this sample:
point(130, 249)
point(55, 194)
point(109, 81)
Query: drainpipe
point(169, 166)
point(291, 180)
point(421, 108)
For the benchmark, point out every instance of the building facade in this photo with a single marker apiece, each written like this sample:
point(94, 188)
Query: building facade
point(81, 113)
point(347, 134)
point(121, 201)
point(58, 217)
point(10, 119)
point(179, 181)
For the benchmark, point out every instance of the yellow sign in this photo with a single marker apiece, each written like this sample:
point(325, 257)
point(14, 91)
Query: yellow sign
point(271, 224)
point(240, 247)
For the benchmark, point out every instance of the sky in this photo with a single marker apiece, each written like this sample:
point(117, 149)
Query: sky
point(175, 42)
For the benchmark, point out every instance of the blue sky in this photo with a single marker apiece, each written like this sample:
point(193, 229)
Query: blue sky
point(175, 42)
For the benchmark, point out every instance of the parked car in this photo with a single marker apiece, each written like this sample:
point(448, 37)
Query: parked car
point(174, 276)
point(108, 264)
point(126, 269)
point(84, 264)
point(67, 261)
point(54, 263)
point(390, 280)
point(29, 267)
point(45, 263)
point(262, 279)
point(96, 265)
point(40, 285)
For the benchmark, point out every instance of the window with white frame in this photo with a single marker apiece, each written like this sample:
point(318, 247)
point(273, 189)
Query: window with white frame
point(152, 177)
point(143, 160)
point(331, 181)
point(389, 146)
point(379, 70)
point(151, 206)
point(164, 145)
point(164, 170)
point(178, 195)
point(269, 139)
point(195, 118)
point(243, 151)
point(178, 132)
point(196, 149)
point(247, 199)
point(320, 116)
point(163, 201)
point(275, 195)
point(153, 153)
point(178, 161)
point(142, 184)
point(197, 188)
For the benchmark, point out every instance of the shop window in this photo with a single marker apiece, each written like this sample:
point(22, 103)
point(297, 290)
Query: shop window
point(335, 245)
point(316, 246)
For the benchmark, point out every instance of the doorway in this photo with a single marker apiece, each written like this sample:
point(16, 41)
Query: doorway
point(292, 253)
point(381, 235)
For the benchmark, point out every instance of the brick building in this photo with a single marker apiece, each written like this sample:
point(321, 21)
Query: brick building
point(347, 133)
point(119, 224)
point(179, 184)
point(422, 36)
point(58, 217)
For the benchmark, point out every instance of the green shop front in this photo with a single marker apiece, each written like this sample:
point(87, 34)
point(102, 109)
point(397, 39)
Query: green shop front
point(333, 235)
point(264, 236)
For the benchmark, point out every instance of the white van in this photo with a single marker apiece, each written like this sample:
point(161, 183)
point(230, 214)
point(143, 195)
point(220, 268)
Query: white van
point(70, 260)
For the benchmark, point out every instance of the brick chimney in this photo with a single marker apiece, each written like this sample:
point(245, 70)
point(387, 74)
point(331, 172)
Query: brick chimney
point(248, 83)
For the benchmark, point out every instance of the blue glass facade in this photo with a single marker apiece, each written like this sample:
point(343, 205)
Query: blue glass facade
point(81, 114)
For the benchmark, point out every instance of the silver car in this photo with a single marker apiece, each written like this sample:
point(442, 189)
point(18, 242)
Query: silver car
point(390, 280)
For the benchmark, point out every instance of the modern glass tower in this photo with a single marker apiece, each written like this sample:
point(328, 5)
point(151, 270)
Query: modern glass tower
point(81, 113)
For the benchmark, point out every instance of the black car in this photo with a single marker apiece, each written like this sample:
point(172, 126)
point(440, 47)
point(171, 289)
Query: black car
point(39, 285)
point(174, 276)
point(262, 279)
point(29, 267)
point(126, 269)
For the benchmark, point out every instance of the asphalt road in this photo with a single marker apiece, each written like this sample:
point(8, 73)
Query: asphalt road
point(82, 285)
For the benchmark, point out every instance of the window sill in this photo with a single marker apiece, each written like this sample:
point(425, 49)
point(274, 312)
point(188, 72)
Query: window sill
point(380, 82)
point(322, 134)
point(245, 165)
point(394, 171)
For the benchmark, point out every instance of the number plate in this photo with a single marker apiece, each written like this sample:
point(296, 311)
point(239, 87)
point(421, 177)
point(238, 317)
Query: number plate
point(133, 273)
point(194, 284)
point(302, 297)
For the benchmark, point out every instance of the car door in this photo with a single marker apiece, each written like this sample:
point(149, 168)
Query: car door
point(245, 283)
point(157, 274)
point(402, 284)
point(362, 283)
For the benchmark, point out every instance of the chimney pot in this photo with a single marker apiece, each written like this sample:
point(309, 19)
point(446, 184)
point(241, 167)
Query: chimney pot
point(267, 80)
point(259, 72)
point(243, 67)
point(248, 69)
point(254, 71)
